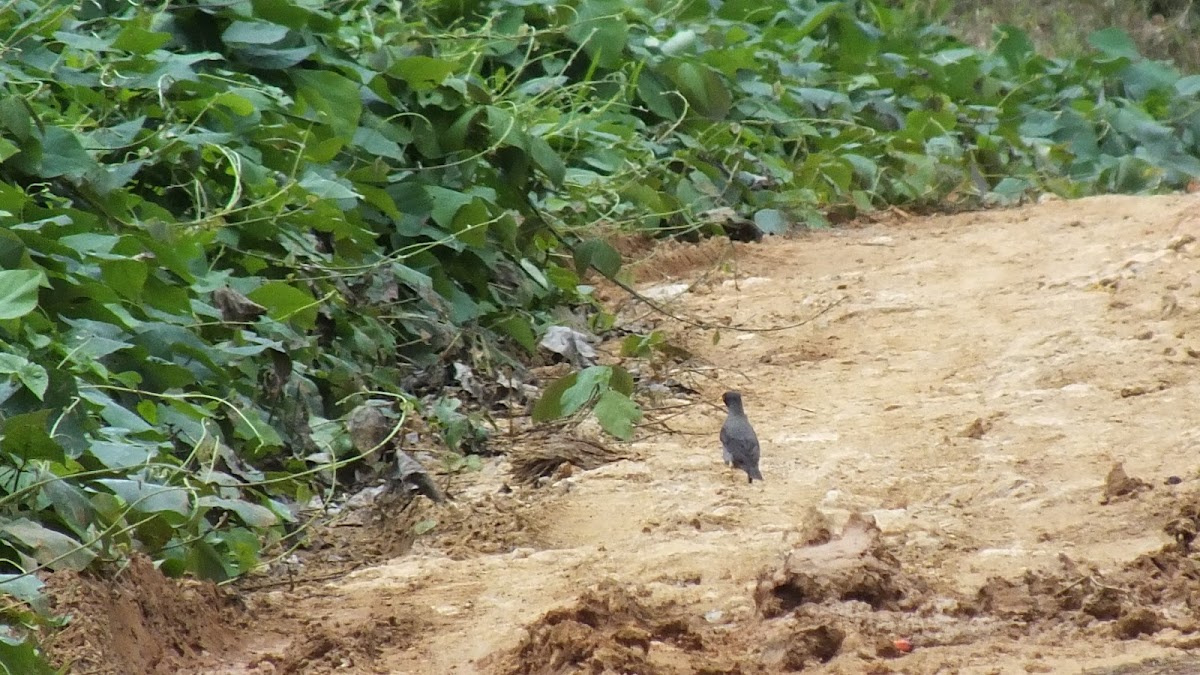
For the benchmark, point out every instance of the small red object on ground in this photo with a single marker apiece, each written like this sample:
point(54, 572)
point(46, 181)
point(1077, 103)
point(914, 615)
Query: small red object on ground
point(903, 644)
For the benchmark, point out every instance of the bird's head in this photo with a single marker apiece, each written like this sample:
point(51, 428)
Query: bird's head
point(733, 400)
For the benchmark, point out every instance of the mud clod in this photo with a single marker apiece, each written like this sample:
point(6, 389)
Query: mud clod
point(138, 620)
point(1141, 621)
point(852, 567)
point(820, 643)
point(609, 629)
point(1120, 484)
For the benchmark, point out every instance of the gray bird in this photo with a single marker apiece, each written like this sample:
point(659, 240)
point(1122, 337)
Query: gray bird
point(739, 444)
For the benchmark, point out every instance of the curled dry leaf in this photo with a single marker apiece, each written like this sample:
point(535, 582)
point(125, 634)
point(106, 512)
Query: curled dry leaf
point(415, 478)
point(571, 344)
point(235, 307)
point(369, 425)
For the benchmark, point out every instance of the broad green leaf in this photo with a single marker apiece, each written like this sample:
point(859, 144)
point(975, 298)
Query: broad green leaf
point(254, 32)
point(599, 254)
point(63, 155)
point(206, 562)
point(1013, 45)
point(285, 302)
point(422, 72)
point(600, 29)
point(148, 410)
point(519, 329)
point(704, 90)
point(294, 14)
point(240, 105)
point(335, 99)
point(1144, 77)
point(127, 277)
point(549, 406)
point(17, 117)
point(470, 223)
point(121, 455)
point(250, 426)
point(27, 588)
point(380, 199)
point(1114, 42)
point(69, 503)
point(447, 205)
point(26, 437)
point(19, 292)
point(243, 547)
point(269, 57)
point(771, 221)
point(617, 414)
point(7, 149)
point(32, 375)
point(817, 17)
point(149, 497)
point(251, 514)
point(657, 96)
point(99, 244)
point(377, 144)
point(1187, 86)
point(48, 547)
point(328, 188)
point(138, 40)
point(547, 160)
point(590, 380)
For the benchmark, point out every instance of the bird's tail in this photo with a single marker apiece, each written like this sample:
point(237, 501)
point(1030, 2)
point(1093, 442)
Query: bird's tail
point(754, 473)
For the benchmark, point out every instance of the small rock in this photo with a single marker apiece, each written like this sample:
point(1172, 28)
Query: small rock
point(665, 292)
point(890, 521)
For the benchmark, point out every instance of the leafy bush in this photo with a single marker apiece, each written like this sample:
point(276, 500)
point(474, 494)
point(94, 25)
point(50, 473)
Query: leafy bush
point(225, 225)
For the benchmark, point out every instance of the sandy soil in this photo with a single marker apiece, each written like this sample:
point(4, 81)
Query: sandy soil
point(939, 452)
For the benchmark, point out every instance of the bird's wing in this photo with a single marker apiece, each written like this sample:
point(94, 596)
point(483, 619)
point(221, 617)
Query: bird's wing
point(740, 445)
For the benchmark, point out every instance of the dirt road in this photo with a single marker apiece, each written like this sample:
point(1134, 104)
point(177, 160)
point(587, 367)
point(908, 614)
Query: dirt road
point(969, 396)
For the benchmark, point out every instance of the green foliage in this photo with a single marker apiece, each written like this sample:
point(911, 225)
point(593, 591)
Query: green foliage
point(222, 225)
point(607, 389)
